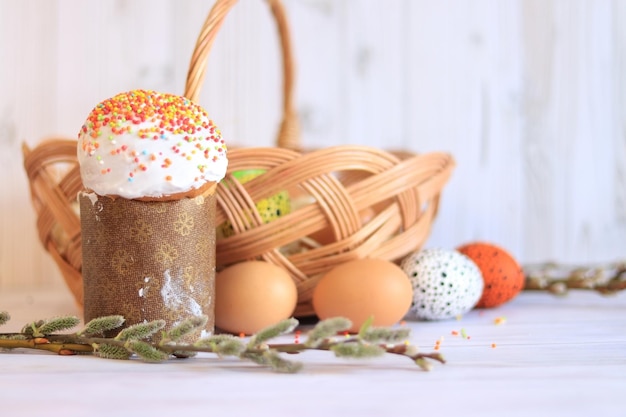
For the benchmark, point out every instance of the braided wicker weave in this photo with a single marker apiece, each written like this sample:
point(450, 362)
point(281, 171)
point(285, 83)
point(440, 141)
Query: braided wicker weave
point(337, 185)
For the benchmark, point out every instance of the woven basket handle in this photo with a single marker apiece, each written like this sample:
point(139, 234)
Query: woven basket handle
point(289, 134)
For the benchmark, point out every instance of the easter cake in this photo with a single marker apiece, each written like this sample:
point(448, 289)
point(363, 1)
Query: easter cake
point(150, 163)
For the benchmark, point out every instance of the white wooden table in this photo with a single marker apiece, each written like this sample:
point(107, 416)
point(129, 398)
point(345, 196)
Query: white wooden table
point(552, 357)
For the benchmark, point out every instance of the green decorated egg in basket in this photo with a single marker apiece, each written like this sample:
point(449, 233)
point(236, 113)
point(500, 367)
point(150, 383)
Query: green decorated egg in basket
point(269, 208)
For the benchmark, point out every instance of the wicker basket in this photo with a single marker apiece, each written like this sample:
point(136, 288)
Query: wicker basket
point(399, 191)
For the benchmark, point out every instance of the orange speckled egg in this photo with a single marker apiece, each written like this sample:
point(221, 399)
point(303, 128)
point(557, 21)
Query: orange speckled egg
point(361, 289)
point(250, 296)
point(502, 275)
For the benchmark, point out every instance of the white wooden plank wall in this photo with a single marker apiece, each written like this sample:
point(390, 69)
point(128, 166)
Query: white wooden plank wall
point(529, 96)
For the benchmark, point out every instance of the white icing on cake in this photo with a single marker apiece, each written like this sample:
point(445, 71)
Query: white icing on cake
point(146, 144)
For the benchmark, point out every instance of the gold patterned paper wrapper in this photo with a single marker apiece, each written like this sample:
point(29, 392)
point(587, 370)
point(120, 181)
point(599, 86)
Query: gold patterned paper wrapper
point(149, 260)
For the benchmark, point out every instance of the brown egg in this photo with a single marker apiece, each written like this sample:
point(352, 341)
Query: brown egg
point(250, 296)
point(361, 289)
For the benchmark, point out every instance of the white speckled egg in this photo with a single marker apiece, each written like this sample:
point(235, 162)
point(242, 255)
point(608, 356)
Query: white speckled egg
point(445, 283)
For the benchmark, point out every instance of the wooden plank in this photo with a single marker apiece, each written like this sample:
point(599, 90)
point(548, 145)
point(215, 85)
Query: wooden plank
point(28, 57)
point(539, 49)
point(464, 88)
point(569, 160)
point(374, 73)
point(617, 192)
point(319, 42)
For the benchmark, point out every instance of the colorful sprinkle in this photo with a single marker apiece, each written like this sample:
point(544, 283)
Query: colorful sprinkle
point(147, 115)
point(438, 343)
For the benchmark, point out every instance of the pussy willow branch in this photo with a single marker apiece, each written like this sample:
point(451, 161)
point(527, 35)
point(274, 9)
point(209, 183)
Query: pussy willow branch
point(70, 344)
point(558, 278)
point(42, 343)
point(397, 349)
point(136, 339)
